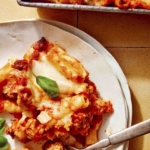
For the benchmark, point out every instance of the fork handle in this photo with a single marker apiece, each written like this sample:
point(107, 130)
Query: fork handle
point(131, 132)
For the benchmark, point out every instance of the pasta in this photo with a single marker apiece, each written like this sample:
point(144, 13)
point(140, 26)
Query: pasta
point(52, 99)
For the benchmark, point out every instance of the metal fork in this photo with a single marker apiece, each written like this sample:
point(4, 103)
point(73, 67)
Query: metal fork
point(121, 136)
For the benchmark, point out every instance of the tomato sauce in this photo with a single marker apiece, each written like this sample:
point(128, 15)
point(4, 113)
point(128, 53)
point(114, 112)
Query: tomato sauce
point(41, 45)
point(2, 84)
point(25, 98)
point(17, 115)
point(22, 81)
point(20, 64)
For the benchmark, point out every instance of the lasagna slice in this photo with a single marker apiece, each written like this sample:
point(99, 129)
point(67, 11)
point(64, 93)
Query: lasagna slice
point(52, 98)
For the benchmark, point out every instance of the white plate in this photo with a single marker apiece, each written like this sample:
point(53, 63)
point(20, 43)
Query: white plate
point(16, 37)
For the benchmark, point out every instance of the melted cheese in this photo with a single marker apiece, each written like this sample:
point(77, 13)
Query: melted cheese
point(43, 67)
point(61, 110)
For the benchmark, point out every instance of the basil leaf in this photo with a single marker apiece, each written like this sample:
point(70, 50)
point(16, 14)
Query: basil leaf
point(2, 125)
point(2, 130)
point(2, 122)
point(3, 143)
point(48, 85)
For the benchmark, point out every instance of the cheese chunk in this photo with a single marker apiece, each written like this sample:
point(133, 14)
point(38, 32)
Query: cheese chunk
point(43, 67)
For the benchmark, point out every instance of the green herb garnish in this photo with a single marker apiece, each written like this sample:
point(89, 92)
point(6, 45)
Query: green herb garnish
point(2, 125)
point(3, 143)
point(48, 85)
point(2, 130)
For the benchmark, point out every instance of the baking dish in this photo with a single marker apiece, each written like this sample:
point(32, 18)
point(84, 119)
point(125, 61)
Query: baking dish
point(81, 7)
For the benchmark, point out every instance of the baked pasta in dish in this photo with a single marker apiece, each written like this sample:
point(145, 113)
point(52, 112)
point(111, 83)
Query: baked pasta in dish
point(122, 4)
point(52, 98)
